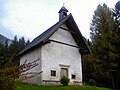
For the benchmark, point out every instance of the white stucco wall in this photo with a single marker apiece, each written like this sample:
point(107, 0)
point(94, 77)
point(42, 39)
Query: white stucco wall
point(30, 57)
point(53, 54)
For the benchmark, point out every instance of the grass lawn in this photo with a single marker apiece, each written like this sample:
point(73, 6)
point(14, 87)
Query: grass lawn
point(23, 86)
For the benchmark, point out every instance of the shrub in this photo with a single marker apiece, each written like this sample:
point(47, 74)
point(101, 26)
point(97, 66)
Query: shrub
point(64, 81)
point(6, 82)
point(92, 82)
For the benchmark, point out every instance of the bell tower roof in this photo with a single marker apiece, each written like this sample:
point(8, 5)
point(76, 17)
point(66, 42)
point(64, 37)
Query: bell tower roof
point(63, 9)
point(62, 13)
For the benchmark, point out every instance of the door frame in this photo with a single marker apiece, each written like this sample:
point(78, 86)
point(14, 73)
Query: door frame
point(62, 66)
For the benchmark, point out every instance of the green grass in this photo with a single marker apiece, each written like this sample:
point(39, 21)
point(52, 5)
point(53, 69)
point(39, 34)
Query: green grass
point(24, 86)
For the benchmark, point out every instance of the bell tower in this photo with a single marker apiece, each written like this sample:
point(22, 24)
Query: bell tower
point(62, 13)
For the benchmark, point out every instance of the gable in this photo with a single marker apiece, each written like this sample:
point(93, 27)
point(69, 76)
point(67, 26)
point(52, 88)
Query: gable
point(63, 36)
point(44, 37)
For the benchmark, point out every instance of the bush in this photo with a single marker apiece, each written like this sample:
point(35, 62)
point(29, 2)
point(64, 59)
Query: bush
point(6, 82)
point(92, 82)
point(64, 81)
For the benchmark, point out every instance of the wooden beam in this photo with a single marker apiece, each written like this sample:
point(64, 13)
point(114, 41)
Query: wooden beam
point(64, 43)
point(81, 49)
point(68, 30)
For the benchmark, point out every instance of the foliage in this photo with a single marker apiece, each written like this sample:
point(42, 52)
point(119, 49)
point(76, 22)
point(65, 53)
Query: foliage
point(9, 74)
point(92, 82)
point(64, 81)
point(8, 54)
point(116, 14)
point(10, 69)
point(7, 83)
point(104, 37)
point(15, 48)
point(89, 66)
point(9, 63)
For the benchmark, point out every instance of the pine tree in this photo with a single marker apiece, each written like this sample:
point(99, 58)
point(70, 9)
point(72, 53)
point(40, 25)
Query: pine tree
point(22, 44)
point(28, 42)
point(116, 14)
point(103, 35)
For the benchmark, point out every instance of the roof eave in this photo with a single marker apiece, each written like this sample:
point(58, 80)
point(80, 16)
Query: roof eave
point(72, 21)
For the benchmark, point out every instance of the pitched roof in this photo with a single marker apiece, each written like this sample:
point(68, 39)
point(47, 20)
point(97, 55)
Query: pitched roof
point(63, 9)
point(41, 39)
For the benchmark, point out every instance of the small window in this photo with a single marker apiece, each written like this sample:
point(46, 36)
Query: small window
point(53, 73)
point(73, 76)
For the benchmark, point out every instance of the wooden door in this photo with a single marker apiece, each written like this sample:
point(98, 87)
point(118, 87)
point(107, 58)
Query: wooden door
point(64, 72)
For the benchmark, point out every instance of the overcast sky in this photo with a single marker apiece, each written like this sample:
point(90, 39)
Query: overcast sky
point(29, 18)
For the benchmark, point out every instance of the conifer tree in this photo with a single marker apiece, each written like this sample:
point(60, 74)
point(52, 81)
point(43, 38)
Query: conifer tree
point(116, 14)
point(103, 35)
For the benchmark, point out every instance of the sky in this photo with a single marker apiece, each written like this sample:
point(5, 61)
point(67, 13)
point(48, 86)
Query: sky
point(29, 18)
